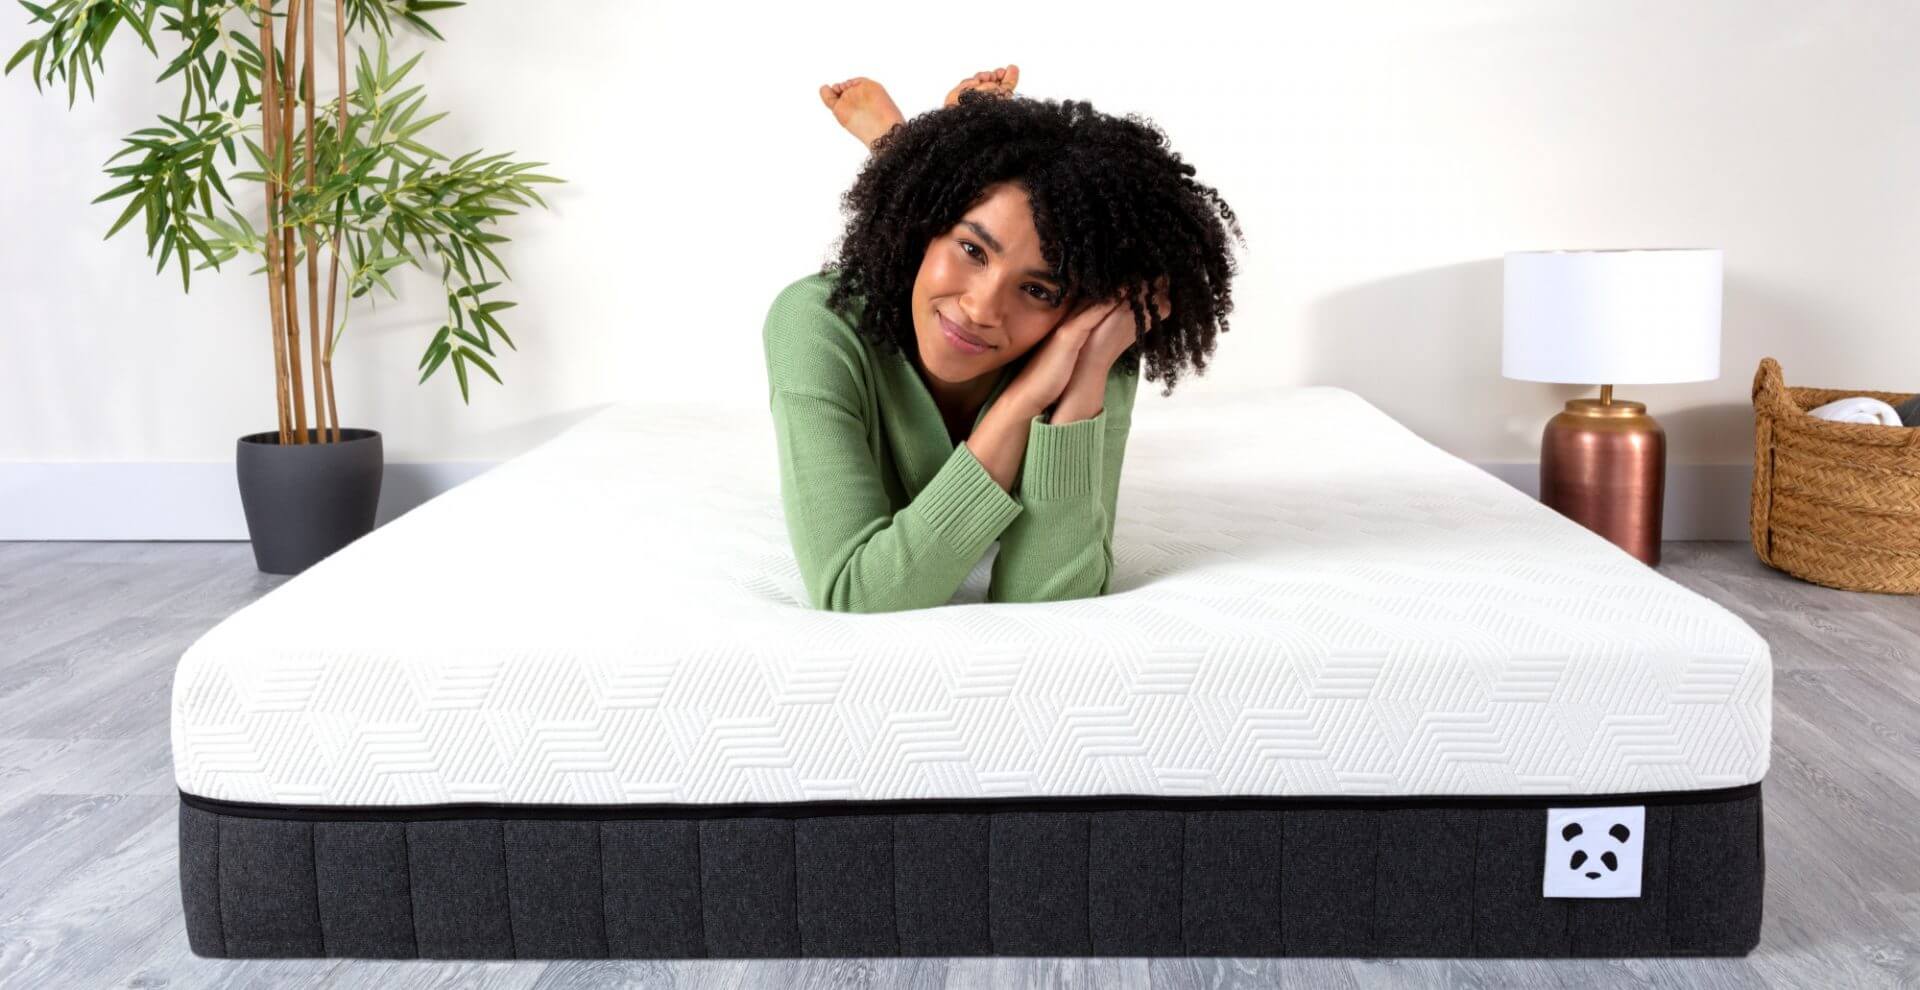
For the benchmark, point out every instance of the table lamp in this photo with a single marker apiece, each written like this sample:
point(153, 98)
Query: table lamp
point(1606, 317)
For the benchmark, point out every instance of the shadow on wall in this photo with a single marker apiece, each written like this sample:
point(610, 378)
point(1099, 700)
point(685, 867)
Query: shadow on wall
point(1724, 426)
point(1424, 346)
point(427, 421)
point(405, 485)
point(527, 434)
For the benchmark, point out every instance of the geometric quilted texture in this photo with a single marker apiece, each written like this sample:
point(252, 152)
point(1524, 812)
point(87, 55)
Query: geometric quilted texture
point(1309, 599)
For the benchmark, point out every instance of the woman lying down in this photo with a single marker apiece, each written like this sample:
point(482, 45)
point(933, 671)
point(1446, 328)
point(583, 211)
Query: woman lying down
point(964, 371)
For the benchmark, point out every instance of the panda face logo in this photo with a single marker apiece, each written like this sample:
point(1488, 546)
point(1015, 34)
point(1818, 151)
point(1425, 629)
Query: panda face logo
point(1608, 859)
point(1594, 852)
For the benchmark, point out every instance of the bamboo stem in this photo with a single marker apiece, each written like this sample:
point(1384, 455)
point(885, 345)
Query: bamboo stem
point(340, 151)
point(306, 235)
point(269, 114)
point(289, 92)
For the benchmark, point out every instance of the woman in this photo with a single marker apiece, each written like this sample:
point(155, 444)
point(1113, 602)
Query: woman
point(965, 371)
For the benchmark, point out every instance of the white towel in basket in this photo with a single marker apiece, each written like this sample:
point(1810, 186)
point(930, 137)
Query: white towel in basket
point(1859, 409)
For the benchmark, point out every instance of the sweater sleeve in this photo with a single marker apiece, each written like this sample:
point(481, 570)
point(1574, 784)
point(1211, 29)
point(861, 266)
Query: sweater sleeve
point(856, 554)
point(1061, 545)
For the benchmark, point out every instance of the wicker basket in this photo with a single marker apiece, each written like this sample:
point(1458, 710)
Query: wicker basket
point(1834, 503)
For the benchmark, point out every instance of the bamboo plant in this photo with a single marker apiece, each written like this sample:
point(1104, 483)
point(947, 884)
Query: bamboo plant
point(349, 185)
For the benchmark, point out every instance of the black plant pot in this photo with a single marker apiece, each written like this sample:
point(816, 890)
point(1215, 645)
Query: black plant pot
point(304, 501)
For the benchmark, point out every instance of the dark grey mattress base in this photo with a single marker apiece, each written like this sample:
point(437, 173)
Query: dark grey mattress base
point(1101, 877)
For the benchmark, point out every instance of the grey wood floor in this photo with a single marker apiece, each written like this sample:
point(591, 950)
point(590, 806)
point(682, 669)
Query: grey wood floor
point(89, 633)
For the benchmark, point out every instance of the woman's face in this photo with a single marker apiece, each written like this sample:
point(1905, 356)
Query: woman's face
point(985, 281)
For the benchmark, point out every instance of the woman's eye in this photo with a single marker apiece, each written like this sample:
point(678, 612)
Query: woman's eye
point(1043, 294)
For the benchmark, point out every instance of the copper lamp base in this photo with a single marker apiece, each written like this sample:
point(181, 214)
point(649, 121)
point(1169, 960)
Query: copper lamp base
point(1603, 464)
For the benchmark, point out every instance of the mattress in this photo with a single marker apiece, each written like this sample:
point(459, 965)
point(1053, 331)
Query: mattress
point(1309, 600)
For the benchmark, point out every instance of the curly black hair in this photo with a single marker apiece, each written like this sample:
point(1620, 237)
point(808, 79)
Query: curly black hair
point(1114, 208)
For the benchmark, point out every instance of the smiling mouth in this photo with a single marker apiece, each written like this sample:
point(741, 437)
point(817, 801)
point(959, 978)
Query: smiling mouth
point(949, 327)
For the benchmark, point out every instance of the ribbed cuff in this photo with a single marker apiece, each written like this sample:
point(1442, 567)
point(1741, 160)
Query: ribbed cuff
point(965, 505)
point(1063, 461)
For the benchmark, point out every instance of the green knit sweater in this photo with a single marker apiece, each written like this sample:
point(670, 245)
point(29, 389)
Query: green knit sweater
point(887, 513)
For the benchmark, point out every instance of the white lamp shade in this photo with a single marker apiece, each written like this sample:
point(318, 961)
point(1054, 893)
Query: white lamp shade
point(1638, 317)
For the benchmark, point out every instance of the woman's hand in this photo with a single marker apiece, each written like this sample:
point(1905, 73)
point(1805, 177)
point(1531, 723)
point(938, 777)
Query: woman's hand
point(1116, 333)
point(1051, 364)
point(1086, 390)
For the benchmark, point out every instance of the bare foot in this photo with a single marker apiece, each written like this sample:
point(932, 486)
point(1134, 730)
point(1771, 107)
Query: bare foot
point(999, 82)
point(863, 107)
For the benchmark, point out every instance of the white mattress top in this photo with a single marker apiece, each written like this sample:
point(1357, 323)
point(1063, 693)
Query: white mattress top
point(1309, 600)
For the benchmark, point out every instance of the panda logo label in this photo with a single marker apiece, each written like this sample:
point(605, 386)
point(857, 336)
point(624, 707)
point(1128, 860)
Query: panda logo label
point(1594, 852)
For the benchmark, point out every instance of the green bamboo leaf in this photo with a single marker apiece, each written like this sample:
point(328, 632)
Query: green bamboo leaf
point(221, 256)
point(484, 366)
point(117, 191)
point(259, 154)
point(421, 23)
point(439, 353)
point(479, 245)
point(224, 230)
point(166, 251)
point(156, 205)
point(133, 207)
point(460, 369)
point(177, 66)
point(29, 48)
point(388, 81)
point(471, 339)
point(213, 177)
point(86, 66)
point(438, 339)
point(198, 243)
point(140, 28)
point(420, 149)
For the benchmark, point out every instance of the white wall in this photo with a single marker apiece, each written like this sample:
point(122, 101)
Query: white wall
point(1382, 156)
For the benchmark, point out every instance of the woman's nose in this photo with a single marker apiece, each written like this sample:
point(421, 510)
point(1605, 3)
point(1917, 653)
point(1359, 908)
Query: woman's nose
point(979, 312)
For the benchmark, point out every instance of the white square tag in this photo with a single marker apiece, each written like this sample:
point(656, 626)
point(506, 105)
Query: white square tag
point(1594, 852)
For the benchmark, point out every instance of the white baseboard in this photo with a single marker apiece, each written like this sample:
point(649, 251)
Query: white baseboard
point(171, 500)
point(201, 501)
